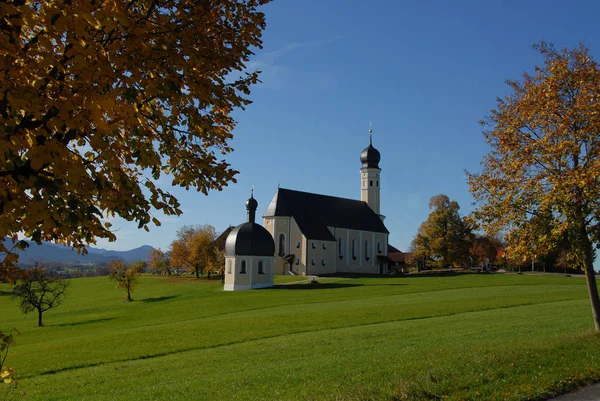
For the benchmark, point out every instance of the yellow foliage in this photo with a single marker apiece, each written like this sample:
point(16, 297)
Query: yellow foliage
point(95, 94)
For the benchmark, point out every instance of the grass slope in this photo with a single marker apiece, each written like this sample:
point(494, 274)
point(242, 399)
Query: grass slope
point(464, 337)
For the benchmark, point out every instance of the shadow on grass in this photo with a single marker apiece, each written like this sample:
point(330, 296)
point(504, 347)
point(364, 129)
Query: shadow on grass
point(158, 299)
point(313, 286)
point(5, 293)
point(105, 319)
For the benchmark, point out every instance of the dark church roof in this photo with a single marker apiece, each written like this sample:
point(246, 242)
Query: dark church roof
point(314, 213)
point(250, 239)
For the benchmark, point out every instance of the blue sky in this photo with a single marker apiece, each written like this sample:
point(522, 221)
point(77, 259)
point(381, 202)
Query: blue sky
point(425, 73)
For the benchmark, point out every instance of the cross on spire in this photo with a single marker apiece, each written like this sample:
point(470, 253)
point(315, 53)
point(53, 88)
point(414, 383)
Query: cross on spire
point(370, 132)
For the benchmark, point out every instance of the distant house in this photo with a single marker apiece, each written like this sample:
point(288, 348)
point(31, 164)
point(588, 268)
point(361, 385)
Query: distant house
point(398, 259)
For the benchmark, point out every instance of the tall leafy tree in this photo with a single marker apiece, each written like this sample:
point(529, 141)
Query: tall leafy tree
point(99, 99)
point(195, 249)
point(545, 158)
point(444, 237)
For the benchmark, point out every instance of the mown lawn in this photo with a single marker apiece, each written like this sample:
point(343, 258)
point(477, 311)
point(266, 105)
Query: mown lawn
point(463, 337)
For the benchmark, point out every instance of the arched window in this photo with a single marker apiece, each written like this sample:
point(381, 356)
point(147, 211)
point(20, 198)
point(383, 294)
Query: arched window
point(354, 248)
point(379, 250)
point(281, 245)
point(367, 250)
point(313, 245)
point(312, 262)
point(377, 182)
point(243, 268)
point(260, 268)
point(340, 247)
point(297, 261)
point(298, 244)
point(324, 246)
point(323, 262)
point(229, 266)
point(371, 183)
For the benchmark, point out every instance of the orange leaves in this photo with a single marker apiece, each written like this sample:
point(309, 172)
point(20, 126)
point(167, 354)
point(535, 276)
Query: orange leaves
point(543, 160)
point(97, 92)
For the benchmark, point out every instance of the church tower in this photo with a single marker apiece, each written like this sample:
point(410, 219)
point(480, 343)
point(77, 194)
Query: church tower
point(369, 176)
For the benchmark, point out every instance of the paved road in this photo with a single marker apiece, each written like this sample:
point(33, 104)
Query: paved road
point(590, 393)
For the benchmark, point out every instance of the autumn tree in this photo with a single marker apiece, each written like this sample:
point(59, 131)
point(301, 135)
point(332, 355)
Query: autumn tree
point(545, 158)
point(100, 99)
point(158, 262)
point(125, 275)
point(37, 291)
point(444, 237)
point(484, 248)
point(195, 249)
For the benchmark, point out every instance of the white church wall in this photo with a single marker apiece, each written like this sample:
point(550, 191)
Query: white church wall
point(321, 257)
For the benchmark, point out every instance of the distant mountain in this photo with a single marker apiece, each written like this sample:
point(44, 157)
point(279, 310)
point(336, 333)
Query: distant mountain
point(49, 252)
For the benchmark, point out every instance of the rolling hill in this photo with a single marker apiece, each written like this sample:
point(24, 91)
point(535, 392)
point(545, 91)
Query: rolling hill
point(49, 252)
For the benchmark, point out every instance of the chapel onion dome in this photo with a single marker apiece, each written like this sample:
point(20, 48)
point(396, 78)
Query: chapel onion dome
point(249, 238)
point(370, 157)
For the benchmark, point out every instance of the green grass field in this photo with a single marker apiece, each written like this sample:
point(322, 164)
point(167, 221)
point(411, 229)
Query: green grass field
point(459, 338)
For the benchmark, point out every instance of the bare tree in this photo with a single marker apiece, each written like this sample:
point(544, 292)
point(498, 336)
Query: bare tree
point(38, 291)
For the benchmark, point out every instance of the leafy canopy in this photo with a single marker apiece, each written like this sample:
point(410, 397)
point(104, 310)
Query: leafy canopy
point(444, 237)
point(99, 99)
point(195, 249)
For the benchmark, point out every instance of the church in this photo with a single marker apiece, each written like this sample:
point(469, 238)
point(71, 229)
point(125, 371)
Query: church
point(311, 234)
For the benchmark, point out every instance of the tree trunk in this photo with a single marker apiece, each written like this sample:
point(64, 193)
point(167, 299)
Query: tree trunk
point(197, 274)
point(40, 322)
point(590, 277)
point(129, 299)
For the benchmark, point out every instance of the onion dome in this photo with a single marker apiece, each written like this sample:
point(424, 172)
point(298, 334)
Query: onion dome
point(249, 238)
point(370, 157)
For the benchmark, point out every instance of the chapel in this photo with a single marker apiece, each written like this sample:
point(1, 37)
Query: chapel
point(312, 234)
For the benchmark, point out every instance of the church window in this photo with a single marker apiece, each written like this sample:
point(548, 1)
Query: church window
point(379, 250)
point(367, 250)
point(281, 245)
point(313, 245)
point(377, 183)
point(243, 268)
point(341, 248)
point(229, 266)
point(324, 246)
point(323, 262)
point(312, 262)
point(371, 183)
point(354, 248)
point(298, 244)
point(260, 268)
point(297, 261)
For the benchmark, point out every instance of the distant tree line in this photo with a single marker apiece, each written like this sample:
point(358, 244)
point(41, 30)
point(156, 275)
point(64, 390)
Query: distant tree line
point(447, 240)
